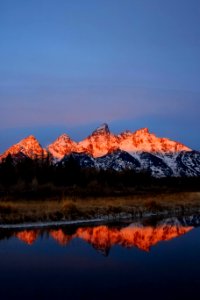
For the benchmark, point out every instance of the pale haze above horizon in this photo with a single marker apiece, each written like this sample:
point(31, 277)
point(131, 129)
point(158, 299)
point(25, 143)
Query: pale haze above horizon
point(68, 66)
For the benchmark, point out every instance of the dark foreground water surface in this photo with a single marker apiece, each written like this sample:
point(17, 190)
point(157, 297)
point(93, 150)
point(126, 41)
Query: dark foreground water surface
point(147, 259)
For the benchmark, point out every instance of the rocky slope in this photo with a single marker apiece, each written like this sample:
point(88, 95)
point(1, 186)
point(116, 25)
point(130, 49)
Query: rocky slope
point(185, 164)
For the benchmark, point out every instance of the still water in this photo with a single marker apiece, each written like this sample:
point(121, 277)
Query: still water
point(147, 259)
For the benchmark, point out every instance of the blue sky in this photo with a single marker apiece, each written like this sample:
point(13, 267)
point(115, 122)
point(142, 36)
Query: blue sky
point(69, 65)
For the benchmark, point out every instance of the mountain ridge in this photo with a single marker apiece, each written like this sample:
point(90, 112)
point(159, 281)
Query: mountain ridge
point(139, 151)
point(102, 142)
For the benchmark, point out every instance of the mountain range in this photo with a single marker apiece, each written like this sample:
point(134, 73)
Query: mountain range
point(138, 151)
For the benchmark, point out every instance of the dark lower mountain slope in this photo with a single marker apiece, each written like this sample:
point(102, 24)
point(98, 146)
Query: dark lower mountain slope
point(185, 164)
point(118, 161)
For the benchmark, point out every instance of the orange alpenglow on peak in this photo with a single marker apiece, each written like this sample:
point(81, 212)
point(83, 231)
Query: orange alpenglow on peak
point(62, 146)
point(143, 141)
point(144, 130)
point(99, 143)
point(29, 146)
point(102, 141)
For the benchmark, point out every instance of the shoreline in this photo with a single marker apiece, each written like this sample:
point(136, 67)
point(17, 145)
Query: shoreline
point(78, 210)
point(107, 219)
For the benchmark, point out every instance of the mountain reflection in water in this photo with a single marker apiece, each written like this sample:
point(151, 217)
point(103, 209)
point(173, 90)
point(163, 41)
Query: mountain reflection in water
point(104, 237)
point(140, 259)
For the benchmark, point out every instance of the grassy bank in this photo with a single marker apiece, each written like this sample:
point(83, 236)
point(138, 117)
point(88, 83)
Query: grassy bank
point(76, 208)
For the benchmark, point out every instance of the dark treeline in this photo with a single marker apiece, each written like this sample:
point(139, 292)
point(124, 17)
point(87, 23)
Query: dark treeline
point(40, 178)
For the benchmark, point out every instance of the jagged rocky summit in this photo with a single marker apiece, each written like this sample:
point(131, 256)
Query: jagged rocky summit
point(138, 151)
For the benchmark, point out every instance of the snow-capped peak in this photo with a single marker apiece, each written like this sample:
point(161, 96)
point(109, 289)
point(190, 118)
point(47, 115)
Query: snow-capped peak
point(62, 146)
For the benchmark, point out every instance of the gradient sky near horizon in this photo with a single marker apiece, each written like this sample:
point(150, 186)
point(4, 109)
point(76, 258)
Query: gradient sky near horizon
point(69, 65)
